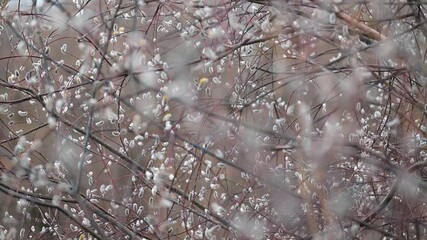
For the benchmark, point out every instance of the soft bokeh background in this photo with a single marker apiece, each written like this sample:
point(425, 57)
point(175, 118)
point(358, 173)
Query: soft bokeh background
point(212, 119)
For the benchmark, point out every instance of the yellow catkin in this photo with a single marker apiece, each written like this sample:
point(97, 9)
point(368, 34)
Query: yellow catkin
point(203, 81)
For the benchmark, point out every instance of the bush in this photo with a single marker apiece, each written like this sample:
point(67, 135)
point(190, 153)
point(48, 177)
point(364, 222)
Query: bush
point(215, 119)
